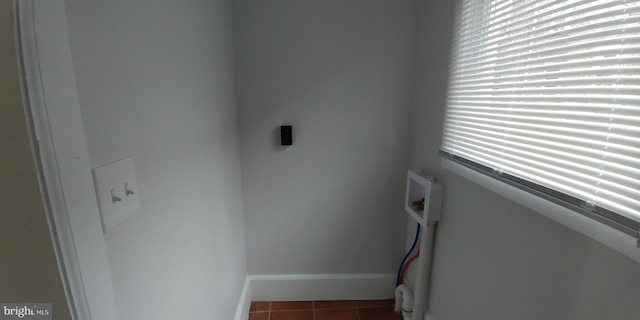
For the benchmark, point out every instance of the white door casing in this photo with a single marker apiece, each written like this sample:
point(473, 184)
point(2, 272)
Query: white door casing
point(61, 149)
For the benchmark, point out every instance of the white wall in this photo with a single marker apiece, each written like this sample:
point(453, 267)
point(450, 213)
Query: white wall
point(493, 258)
point(156, 82)
point(340, 73)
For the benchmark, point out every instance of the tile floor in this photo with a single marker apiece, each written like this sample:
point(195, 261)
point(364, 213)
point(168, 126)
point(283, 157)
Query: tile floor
point(323, 310)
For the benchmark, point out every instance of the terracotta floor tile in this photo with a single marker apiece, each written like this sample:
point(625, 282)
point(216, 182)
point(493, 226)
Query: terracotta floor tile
point(291, 305)
point(333, 304)
point(260, 306)
point(261, 315)
point(375, 303)
point(337, 314)
point(378, 313)
point(292, 315)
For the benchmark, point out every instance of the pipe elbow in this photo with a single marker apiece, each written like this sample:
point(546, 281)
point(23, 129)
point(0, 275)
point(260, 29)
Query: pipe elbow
point(404, 301)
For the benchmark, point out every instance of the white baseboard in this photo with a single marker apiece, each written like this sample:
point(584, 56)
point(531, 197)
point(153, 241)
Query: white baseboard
point(244, 303)
point(314, 287)
point(305, 287)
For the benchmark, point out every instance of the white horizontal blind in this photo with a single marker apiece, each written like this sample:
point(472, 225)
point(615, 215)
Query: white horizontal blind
point(548, 92)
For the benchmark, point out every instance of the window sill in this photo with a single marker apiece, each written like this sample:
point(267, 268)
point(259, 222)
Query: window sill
point(593, 229)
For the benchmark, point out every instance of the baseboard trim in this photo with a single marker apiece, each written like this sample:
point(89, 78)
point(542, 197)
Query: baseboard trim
point(244, 303)
point(316, 287)
point(304, 287)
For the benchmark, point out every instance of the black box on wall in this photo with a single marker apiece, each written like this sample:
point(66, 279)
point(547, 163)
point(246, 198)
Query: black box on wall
point(286, 135)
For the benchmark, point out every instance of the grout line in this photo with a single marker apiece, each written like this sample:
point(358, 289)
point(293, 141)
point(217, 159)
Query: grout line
point(292, 310)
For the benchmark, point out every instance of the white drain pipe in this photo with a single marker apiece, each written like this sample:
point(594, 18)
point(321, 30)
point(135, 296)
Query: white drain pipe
point(404, 301)
point(424, 271)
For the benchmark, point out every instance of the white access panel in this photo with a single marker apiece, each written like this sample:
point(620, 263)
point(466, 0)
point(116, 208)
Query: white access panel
point(425, 190)
point(117, 192)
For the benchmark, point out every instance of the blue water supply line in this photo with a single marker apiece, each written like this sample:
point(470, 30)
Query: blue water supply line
point(413, 246)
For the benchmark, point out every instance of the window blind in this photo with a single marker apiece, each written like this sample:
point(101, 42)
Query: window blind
point(546, 94)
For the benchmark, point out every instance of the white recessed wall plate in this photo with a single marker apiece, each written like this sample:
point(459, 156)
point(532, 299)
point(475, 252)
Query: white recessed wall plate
point(117, 192)
point(423, 200)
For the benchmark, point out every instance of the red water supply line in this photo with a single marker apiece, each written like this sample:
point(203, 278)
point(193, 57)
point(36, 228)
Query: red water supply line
point(406, 266)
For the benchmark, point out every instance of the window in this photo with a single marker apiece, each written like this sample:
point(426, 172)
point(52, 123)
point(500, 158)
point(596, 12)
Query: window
point(545, 95)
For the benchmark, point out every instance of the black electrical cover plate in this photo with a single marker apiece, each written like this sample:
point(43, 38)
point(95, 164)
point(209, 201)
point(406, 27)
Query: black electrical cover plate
point(286, 135)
